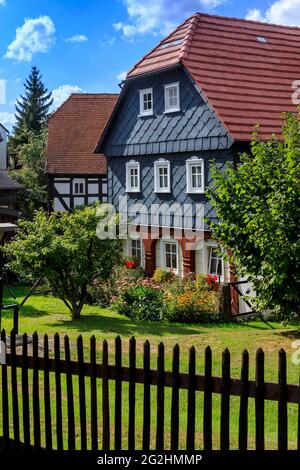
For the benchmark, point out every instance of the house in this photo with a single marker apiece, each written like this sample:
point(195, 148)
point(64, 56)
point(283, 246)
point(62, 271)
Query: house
point(8, 187)
point(77, 176)
point(194, 98)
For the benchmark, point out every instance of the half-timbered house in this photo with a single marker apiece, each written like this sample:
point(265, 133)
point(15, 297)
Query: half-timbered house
point(76, 175)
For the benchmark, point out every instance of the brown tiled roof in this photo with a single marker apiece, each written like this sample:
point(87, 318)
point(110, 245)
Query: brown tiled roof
point(244, 68)
point(7, 183)
point(74, 131)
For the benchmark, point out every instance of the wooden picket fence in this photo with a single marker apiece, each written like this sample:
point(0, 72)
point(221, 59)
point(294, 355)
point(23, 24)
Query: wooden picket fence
point(26, 396)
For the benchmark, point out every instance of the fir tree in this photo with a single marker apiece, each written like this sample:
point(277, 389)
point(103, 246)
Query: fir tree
point(32, 109)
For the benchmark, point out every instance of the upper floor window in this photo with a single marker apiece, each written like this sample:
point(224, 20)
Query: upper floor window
point(195, 175)
point(162, 183)
point(78, 186)
point(146, 102)
point(132, 176)
point(172, 98)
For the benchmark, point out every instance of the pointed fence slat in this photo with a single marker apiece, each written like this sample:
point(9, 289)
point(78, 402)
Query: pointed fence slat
point(14, 390)
point(160, 412)
point(175, 399)
point(35, 392)
point(147, 398)
point(282, 403)
point(105, 398)
point(191, 412)
point(225, 401)
point(25, 393)
point(243, 418)
point(57, 370)
point(259, 401)
point(131, 391)
point(207, 401)
point(5, 412)
point(94, 409)
point(47, 398)
point(82, 397)
point(70, 396)
point(118, 394)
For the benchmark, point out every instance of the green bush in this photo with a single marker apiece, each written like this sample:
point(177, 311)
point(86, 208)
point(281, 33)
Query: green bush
point(163, 275)
point(141, 302)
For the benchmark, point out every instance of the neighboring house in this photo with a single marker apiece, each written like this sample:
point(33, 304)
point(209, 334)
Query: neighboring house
point(8, 187)
point(194, 98)
point(76, 175)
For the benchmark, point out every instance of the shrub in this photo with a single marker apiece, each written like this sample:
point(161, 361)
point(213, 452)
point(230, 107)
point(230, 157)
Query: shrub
point(163, 275)
point(194, 306)
point(141, 302)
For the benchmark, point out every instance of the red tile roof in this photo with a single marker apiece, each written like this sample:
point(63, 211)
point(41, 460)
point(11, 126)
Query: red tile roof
point(74, 131)
point(246, 82)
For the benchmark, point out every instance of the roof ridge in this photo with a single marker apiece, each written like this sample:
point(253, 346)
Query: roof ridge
point(184, 52)
point(165, 39)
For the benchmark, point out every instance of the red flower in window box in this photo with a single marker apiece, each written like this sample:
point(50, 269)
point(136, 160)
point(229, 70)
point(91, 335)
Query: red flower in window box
point(130, 264)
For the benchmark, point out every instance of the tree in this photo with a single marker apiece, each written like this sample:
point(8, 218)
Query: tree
point(258, 207)
point(32, 109)
point(64, 249)
point(31, 174)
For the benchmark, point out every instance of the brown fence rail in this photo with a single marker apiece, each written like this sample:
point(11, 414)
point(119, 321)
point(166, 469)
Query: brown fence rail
point(32, 397)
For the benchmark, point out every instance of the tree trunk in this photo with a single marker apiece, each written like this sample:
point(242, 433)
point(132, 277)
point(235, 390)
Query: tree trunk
point(76, 311)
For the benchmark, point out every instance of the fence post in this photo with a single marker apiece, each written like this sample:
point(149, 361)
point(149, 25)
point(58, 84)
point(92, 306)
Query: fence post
point(226, 302)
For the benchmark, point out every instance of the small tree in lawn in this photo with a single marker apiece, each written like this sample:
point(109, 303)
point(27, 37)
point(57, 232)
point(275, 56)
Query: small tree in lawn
point(258, 207)
point(64, 249)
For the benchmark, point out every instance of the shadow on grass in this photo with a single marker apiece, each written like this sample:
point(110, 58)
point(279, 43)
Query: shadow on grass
point(293, 334)
point(125, 326)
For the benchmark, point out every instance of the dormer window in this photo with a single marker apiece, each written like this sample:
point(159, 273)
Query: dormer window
point(132, 177)
point(146, 102)
point(162, 178)
point(172, 98)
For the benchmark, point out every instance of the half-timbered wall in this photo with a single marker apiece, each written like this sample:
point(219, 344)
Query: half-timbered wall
point(67, 192)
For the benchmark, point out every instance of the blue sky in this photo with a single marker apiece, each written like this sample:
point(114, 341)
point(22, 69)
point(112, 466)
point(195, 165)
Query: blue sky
point(86, 45)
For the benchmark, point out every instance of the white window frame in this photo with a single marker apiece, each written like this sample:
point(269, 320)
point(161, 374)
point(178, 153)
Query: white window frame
point(78, 181)
point(162, 163)
point(130, 249)
point(147, 112)
point(211, 247)
point(164, 255)
point(172, 109)
point(194, 161)
point(129, 166)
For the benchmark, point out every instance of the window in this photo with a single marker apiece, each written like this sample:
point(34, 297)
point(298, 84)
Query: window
point(162, 176)
point(172, 100)
point(146, 102)
point(132, 176)
point(170, 255)
point(215, 263)
point(78, 186)
point(195, 175)
point(136, 250)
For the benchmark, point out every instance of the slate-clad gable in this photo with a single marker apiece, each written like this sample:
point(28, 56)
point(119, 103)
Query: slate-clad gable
point(193, 128)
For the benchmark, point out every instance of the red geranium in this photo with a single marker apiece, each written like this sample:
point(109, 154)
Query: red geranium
point(130, 264)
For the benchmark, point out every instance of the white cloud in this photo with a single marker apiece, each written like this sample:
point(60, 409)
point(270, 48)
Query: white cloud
point(160, 16)
point(78, 38)
point(2, 2)
point(63, 92)
point(7, 119)
point(286, 12)
point(36, 35)
point(121, 76)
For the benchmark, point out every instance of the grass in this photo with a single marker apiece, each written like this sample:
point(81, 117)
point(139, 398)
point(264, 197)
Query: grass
point(46, 314)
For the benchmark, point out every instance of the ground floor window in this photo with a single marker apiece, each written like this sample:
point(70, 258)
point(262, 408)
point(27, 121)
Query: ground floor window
point(170, 255)
point(136, 250)
point(215, 263)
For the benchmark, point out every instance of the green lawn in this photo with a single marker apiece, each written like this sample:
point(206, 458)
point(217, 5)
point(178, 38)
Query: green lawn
point(45, 314)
